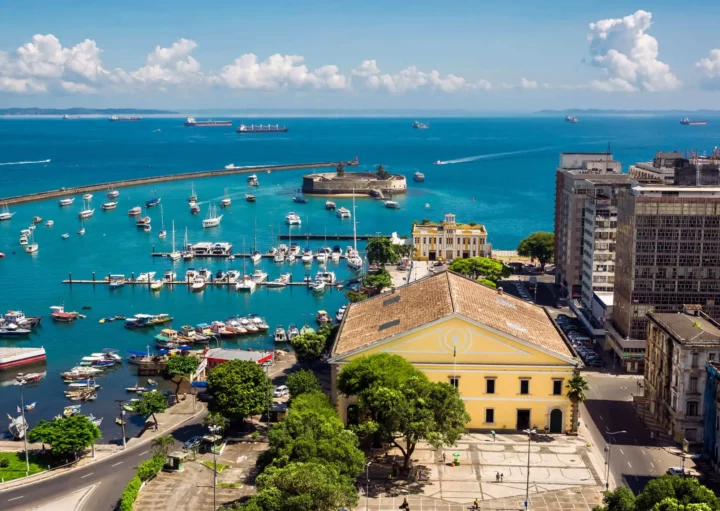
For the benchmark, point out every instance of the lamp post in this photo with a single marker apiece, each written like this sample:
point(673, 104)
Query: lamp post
point(24, 426)
point(607, 458)
point(530, 433)
point(367, 483)
point(214, 430)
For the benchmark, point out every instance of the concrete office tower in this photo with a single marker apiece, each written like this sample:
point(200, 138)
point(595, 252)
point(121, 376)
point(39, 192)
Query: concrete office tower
point(580, 177)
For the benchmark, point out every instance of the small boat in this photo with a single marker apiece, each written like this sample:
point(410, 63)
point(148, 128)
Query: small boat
point(318, 286)
point(212, 219)
point(81, 231)
point(152, 202)
point(322, 318)
point(30, 406)
point(276, 283)
point(156, 285)
point(292, 219)
point(95, 421)
point(109, 205)
point(343, 213)
point(67, 202)
point(135, 211)
point(145, 277)
point(71, 410)
point(329, 205)
point(152, 383)
point(49, 223)
point(280, 335)
point(300, 199)
point(113, 194)
point(193, 196)
point(292, 332)
point(58, 314)
point(259, 276)
point(307, 330)
point(285, 277)
point(418, 177)
point(250, 197)
point(23, 240)
point(340, 314)
point(147, 228)
point(29, 377)
point(37, 220)
point(120, 422)
point(391, 204)
point(87, 196)
point(13, 330)
point(226, 200)
point(65, 236)
point(135, 388)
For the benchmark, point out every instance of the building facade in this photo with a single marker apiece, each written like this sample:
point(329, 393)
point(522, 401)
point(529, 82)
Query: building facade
point(678, 347)
point(580, 177)
point(711, 414)
point(450, 240)
point(508, 359)
point(668, 254)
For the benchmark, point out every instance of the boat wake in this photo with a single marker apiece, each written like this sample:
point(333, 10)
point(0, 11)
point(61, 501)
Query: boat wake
point(493, 155)
point(25, 162)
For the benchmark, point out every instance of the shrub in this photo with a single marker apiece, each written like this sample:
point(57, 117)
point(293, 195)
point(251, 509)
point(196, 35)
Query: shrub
point(4, 463)
point(147, 469)
point(130, 494)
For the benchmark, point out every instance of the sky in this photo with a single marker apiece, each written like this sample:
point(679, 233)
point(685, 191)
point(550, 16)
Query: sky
point(472, 55)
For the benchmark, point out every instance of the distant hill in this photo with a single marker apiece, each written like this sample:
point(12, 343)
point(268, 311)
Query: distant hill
point(595, 111)
point(80, 111)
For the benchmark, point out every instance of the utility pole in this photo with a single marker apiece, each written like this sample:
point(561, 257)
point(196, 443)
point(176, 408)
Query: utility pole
point(120, 403)
point(530, 433)
point(607, 457)
point(214, 430)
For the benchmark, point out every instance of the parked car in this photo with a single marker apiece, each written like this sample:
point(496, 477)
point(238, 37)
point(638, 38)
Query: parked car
point(563, 316)
point(596, 362)
point(281, 391)
point(192, 442)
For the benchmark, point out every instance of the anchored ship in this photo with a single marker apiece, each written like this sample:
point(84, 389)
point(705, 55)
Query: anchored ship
point(420, 125)
point(687, 122)
point(115, 118)
point(270, 128)
point(191, 122)
point(572, 119)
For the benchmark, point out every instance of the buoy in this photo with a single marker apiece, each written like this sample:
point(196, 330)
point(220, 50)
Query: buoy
point(427, 204)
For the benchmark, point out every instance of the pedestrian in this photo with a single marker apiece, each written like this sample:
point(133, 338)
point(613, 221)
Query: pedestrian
point(476, 504)
point(501, 477)
point(420, 475)
point(443, 458)
point(404, 504)
point(497, 477)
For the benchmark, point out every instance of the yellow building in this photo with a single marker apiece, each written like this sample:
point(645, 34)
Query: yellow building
point(449, 240)
point(507, 358)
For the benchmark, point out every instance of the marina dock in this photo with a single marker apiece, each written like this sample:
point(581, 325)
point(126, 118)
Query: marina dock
point(132, 282)
point(339, 237)
point(39, 196)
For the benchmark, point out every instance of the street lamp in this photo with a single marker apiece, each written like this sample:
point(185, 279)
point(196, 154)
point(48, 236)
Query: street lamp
point(24, 425)
point(367, 483)
point(214, 430)
point(530, 433)
point(607, 457)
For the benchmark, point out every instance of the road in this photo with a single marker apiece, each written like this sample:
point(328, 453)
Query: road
point(635, 458)
point(113, 473)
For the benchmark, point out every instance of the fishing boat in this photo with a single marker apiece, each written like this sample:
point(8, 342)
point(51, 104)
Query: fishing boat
point(5, 213)
point(135, 211)
point(162, 233)
point(322, 318)
point(30, 406)
point(29, 377)
point(113, 194)
point(88, 196)
point(17, 427)
point(154, 201)
point(109, 205)
point(212, 219)
point(280, 335)
point(330, 206)
point(250, 197)
point(193, 196)
point(292, 219)
point(343, 213)
point(226, 200)
point(66, 202)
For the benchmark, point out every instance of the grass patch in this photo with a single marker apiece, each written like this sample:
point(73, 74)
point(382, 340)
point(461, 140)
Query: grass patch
point(230, 485)
point(220, 466)
point(16, 467)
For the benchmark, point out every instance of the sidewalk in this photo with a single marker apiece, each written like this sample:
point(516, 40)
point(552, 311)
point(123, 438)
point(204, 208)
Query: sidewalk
point(169, 420)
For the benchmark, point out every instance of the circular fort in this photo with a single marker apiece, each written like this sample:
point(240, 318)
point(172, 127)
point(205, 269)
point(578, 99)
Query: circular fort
point(361, 183)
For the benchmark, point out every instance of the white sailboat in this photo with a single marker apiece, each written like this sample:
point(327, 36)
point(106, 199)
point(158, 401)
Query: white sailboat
point(5, 213)
point(187, 251)
point(226, 200)
point(81, 231)
point(86, 212)
point(256, 256)
point(212, 219)
point(32, 247)
point(354, 261)
point(162, 233)
point(175, 254)
point(246, 283)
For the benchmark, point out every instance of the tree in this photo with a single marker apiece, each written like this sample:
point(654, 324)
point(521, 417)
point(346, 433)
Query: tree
point(622, 499)
point(539, 245)
point(215, 420)
point(308, 347)
point(302, 382)
point(355, 296)
point(151, 403)
point(665, 493)
point(302, 487)
point(399, 404)
point(240, 388)
point(381, 173)
point(476, 268)
point(163, 444)
point(404, 250)
point(313, 432)
point(381, 251)
point(577, 386)
point(376, 282)
point(67, 435)
point(178, 367)
point(340, 170)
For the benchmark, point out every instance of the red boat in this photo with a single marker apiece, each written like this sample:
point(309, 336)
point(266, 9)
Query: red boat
point(58, 314)
point(29, 377)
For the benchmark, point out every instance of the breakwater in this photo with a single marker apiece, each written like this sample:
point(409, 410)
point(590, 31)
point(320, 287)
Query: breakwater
point(64, 192)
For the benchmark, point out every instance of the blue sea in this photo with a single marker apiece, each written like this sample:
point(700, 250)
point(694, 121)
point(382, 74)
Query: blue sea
point(499, 172)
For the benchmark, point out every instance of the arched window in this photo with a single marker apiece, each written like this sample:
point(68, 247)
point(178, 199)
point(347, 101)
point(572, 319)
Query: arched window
point(691, 408)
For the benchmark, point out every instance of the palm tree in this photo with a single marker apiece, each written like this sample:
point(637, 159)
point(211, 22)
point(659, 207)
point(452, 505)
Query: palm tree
point(163, 444)
point(340, 169)
point(577, 386)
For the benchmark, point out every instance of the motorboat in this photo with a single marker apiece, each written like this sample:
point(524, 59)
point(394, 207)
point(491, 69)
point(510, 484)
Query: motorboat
point(323, 318)
point(279, 257)
point(116, 281)
point(152, 202)
point(343, 213)
point(220, 276)
point(282, 248)
point(418, 177)
point(226, 200)
point(355, 262)
point(330, 205)
point(233, 276)
point(190, 274)
point(135, 211)
point(321, 257)
point(49, 223)
point(286, 277)
point(290, 258)
point(318, 286)
point(276, 283)
point(113, 194)
point(88, 196)
point(300, 199)
point(5, 213)
point(29, 377)
point(256, 257)
point(204, 273)
point(250, 197)
point(259, 322)
point(81, 231)
point(109, 205)
point(37, 220)
point(66, 202)
point(246, 284)
point(23, 240)
point(307, 329)
point(231, 166)
point(212, 219)
point(307, 256)
point(143, 221)
point(337, 249)
point(156, 285)
point(390, 204)
point(169, 276)
point(198, 284)
point(145, 277)
point(340, 314)
point(147, 228)
point(326, 276)
point(292, 332)
point(280, 335)
point(194, 209)
point(13, 330)
point(259, 276)
point(292, 219)
point(61, 316)
point(252, 180)
point(335, 257)
point(272, 251)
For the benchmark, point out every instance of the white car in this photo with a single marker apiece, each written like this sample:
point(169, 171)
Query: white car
point(281, 391)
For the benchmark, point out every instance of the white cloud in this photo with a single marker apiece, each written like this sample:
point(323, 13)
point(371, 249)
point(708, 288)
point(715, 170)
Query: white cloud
point(710, 69)
point(628, 55)
point(173, 65)
point(528, 84)
point(279, 72)
point(20, 86)
point(367, 68)
point(411, 79)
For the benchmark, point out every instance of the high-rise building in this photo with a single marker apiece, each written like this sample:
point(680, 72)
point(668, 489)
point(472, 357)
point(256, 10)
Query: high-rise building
point(580, 177)
point(668, 254)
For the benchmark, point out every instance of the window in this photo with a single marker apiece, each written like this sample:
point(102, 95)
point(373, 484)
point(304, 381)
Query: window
point(490, 386)
point(489, 415)
point(524, 386)
point(454, 381)
point(691, 408)
point(711, 356)
point(557, 387)
point(694, 360)
point(693, 384)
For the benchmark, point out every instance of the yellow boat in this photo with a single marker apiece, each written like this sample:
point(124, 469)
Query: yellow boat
point(160, 319)
point(156, 285)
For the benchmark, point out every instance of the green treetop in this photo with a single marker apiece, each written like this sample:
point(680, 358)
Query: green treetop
point(151, 403)
point(302, 382)
point(239, 388)
point(539, 245)
point(179, 367)
point(67, 435)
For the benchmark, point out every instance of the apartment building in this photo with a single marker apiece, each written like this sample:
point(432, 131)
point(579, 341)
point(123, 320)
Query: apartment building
point(711, 414)
point(678, 347)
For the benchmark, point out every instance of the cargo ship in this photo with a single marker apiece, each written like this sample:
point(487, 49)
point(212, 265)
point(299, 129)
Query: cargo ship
point(571, 119)
point(420, 125)
point(10, 357)
point(270, 128)
point(115, 118)
point(190, 122)
point(687, 122)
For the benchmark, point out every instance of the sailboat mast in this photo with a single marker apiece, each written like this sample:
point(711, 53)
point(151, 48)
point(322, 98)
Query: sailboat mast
point(255, 237)
point(244, 258)
point(354, 224)
point(173, 239)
